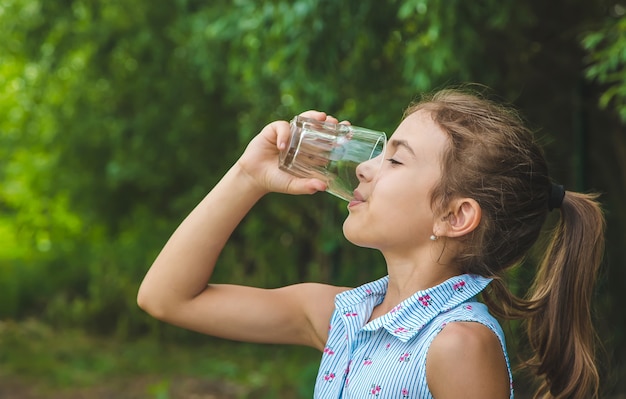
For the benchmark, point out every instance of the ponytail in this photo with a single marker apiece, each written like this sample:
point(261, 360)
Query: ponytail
point(558, 308)
point(560, 328)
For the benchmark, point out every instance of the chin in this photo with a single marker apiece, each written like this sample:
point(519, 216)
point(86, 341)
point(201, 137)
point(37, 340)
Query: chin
point(347, 230)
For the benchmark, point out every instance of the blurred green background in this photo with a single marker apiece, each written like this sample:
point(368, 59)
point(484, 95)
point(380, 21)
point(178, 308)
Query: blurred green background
point(116, 117)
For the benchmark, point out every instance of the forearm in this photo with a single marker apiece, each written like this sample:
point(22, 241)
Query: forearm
point(183, 268)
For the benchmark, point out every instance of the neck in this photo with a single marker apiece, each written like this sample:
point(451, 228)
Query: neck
point(407, 276)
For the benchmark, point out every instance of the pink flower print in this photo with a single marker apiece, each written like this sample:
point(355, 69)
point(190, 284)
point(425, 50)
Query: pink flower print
point(405, 357)
point(350, 313)
point(329, 377)
point(348, 368)
point(399, 330)
point(388, 346)
point(405, 393)
point(394, 310)
point(367, 361)
point(425, 300)
point(458, 287)
point(329, 351)
point(368, 291)
point(375, 390)
point(468, 307)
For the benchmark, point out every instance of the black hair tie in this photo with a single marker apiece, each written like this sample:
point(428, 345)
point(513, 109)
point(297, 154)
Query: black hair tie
point(557, 192)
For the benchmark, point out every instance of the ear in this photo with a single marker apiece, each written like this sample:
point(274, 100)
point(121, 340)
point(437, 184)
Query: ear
point(463, 217)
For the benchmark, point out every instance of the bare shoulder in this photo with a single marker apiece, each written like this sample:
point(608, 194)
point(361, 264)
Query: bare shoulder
point(466, 360)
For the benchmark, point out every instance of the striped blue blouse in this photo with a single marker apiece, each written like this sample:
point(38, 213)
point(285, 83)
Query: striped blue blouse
point(386, 358)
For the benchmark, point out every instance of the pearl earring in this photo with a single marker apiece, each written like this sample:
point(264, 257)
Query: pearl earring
point(433, 237)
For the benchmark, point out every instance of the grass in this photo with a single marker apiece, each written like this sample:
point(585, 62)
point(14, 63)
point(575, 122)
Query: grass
point(54, 363)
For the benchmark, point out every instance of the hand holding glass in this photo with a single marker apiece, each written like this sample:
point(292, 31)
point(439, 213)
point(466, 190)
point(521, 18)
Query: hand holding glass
point(331, 152)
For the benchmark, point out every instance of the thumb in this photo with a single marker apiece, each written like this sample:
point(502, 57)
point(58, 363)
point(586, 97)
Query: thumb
point(307, 186)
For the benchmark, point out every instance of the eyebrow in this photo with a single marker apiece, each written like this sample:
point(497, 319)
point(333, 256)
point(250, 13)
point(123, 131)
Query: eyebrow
point(402, 143)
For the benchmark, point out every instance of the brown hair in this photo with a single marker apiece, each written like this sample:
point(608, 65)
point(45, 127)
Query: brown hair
point(496, 160)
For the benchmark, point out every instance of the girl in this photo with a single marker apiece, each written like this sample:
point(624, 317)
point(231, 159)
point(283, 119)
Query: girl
point(462, 197)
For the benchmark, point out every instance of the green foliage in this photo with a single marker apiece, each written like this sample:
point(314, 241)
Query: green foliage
point(607, 59)
point(117, 117)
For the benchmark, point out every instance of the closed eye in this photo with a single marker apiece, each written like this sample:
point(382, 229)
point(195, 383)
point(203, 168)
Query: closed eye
point(393, 161)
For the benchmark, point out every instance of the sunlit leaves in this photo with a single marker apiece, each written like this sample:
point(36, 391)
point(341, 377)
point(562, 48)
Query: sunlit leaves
point(607, 59)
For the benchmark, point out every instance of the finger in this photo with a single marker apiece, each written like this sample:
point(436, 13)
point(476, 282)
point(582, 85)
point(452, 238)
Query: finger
point(313, 114)
point(283, 134)
point(331, 119)
point(345, 123)
point(312, 186)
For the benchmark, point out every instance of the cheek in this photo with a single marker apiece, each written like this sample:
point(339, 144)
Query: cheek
point(397, 212)
point(408, 216)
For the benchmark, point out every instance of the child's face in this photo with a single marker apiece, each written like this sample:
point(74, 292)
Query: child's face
point(394, 212)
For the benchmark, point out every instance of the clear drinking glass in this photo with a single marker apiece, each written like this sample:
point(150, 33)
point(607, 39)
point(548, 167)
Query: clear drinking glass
point(331, 152)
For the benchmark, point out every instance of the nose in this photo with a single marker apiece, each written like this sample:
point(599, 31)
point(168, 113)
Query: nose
point(366, 171)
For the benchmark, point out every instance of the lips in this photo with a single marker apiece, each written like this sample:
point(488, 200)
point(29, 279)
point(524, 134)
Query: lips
point(357, 199)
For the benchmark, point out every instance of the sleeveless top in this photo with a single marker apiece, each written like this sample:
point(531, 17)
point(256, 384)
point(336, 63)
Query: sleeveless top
point(386, 357)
